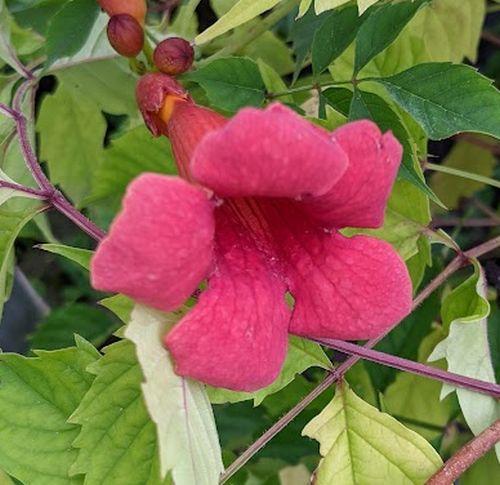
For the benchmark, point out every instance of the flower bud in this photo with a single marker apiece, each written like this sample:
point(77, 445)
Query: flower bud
point(135, 8)
point(125, 35)
point(155, 90)
point(173, 56)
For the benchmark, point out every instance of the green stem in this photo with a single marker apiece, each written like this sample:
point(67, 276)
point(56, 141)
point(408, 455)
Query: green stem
point(462, 173)
point(330, 84)
point(148, 52)
point(255, 31)
point(308, 88)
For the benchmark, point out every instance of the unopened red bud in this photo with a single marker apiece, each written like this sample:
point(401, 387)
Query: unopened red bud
point(125, 35)
point(153, 92)
point(135, 8)
point(173, 56)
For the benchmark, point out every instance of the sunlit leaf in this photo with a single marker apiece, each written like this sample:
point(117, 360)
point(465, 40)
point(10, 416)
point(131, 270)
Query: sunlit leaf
point(357, 443)
point(466, 349)
point(187, 436)
point(240, 13)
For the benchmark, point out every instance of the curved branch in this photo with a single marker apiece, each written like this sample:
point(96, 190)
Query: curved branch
point(467, 456)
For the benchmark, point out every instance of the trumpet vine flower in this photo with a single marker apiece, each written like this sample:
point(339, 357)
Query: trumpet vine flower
point(256, 212)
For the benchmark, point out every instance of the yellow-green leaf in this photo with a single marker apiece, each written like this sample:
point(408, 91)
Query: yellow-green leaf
point(242, 12)
point(466, 349)
point(187, 435)
point(464, 156)
point(361, 445)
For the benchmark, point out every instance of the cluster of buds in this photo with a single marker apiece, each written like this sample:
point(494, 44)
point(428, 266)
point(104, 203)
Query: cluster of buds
point(172, 56)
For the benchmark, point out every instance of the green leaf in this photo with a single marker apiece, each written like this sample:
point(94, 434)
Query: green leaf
point(117, 442)
point(272, 50)
point(78, 255)
point(334, 35)
point(5, 479)
point(71, 137)
point(7, 193)
point(231, 83)
point(302, 354)
point(109, 84)
point(240, 13)
point(70, 28)
point(37, 396)
point(185, 22)
point(11, 224)
point(444, 30)
point(447, 99)
point(57, 330)
point(7, 50)
point(95, 48)
point(129, 155)
point(187, 435)
point(381, 28)
point(449, 30)
point(273, 82)
point(302, 35)
point(361, 445)
point(466, 349)
point(120, 305)
point(464, 156)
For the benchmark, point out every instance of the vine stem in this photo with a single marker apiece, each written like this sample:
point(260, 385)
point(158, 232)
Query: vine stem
point(458, 380)
point(463, 174)
point(467, 456)
point(48, 191)
point(35, 193)
point(338, 373)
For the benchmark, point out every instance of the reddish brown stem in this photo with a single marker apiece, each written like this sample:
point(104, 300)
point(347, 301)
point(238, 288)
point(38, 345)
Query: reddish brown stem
point(48, 191)
point(466, 456)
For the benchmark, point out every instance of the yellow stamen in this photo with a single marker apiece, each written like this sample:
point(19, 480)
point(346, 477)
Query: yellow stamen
point(168, 107)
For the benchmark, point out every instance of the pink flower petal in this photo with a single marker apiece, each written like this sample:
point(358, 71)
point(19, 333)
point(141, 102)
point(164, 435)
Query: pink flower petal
point(160, 246)
point(236, 335)
point(346, 288)
point(359, 198)
point(271, 152)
